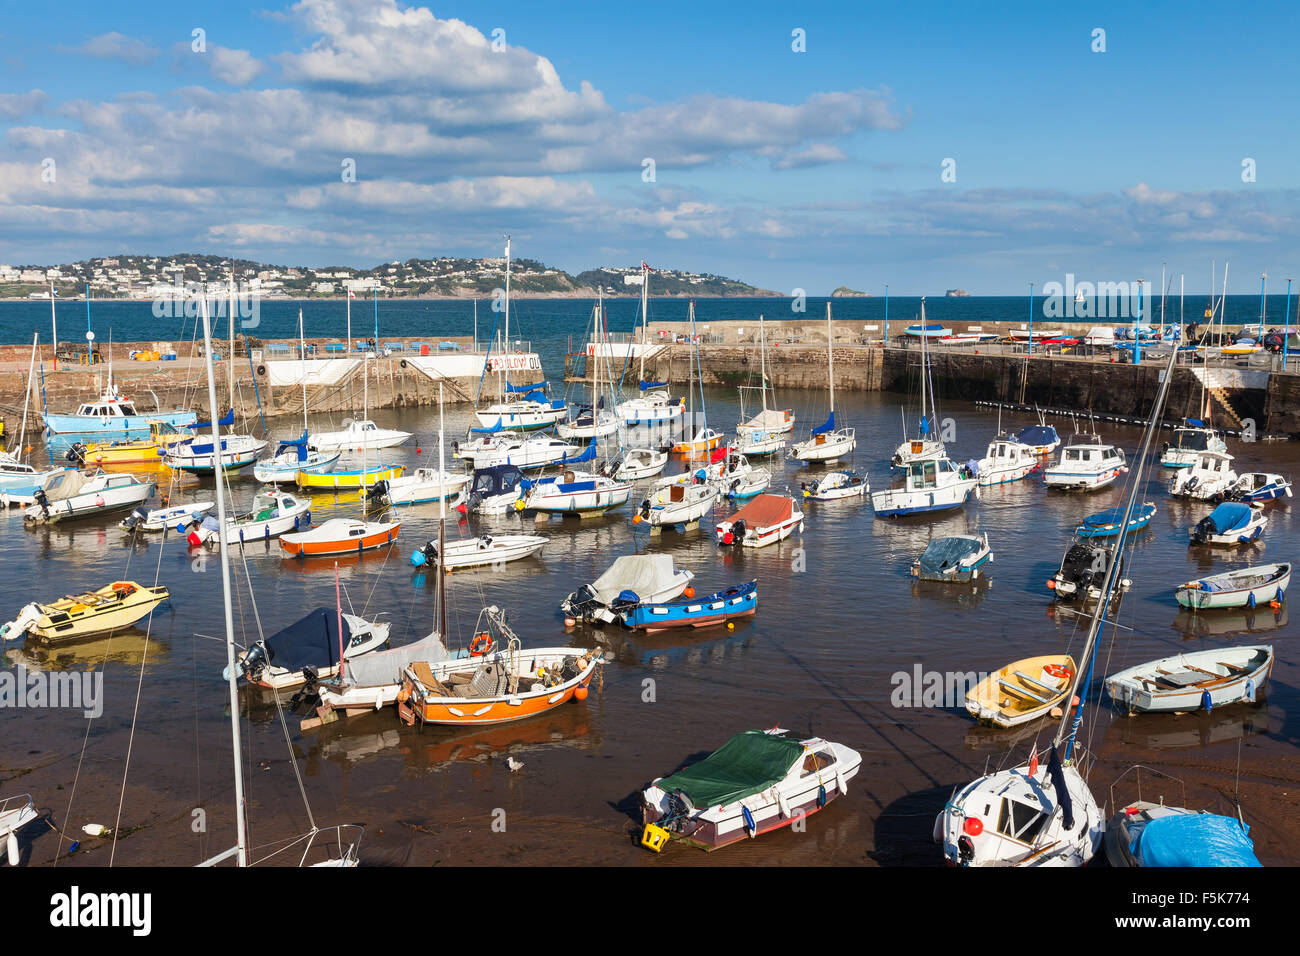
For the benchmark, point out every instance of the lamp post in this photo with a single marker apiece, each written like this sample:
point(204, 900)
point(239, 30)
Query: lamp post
point(1286, 316)
point(1031, 318)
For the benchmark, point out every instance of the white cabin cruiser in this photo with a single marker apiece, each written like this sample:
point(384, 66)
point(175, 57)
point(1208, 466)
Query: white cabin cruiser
point(1006, 460)
point(420, 487)
point(358, 436)
point(577, 492)
point(272, 514)
point(160, 519)
point(1190, 439)
point(927, 485)
point(75, 494)
point(509, 448)
point(676, 504)
point(1208, 478)
point(1087, 464)
point(484, 550)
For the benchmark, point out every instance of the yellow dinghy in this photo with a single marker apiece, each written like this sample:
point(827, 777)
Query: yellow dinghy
point(147, 451)
point(112, 607)
point(1022, 691)
point(348, 480)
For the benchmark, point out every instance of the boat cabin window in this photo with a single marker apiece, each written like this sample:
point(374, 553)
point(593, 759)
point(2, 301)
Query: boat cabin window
point(812, 763)
point(1020, 821)
point(921, 474)
point(1193, 441)
point(126, 408)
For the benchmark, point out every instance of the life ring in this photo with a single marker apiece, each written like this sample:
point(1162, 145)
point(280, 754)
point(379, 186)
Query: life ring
point(1059, 671)
point(481, 645)
point(403, 363)
point(261, 370)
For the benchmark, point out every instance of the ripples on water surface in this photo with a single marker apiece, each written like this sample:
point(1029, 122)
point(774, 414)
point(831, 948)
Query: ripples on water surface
point(817, 658)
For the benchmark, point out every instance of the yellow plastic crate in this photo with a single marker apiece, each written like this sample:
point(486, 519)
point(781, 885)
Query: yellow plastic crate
point(654, 838)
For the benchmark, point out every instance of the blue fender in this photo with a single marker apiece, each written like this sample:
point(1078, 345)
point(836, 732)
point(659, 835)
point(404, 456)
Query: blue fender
point(1207, 703)
point(750, 825)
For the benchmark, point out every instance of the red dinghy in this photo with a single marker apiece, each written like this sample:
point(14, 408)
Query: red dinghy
point(766, 520)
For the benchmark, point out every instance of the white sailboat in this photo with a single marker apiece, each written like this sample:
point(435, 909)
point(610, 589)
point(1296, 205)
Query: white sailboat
point(293, 456)
point(925, 445)
point(827, 443)
point(654, 406)
point(765, 432)
point(596, 420)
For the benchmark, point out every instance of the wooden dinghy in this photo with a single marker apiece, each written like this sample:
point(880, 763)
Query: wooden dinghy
point(756, 782)
point(341, 536)
point(114, 606)
point(1200, 680)
point(1022, 691)
point(1244, 587)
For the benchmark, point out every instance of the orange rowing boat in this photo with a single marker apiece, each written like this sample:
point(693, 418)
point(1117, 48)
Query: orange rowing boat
point(341, 536)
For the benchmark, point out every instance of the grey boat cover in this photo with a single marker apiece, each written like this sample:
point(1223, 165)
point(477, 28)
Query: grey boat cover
point(65, 484)
point(945, 553)
point(644, 574)
point(381, 668)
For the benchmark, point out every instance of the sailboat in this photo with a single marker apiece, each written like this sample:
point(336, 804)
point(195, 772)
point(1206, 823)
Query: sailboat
point(17, 476)
point(705, 439)
point(763, 433)
point(827, 442)
point(925, 445)
point(594, 420)
point(1044, 814)
point(532, 411)
point(365, 436)
point(293, 456)
point(654, 406)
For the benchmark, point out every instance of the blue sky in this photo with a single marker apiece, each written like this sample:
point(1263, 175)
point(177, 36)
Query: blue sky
point(784, 169)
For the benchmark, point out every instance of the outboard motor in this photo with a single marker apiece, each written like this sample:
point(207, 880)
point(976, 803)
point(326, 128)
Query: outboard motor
point(255, 660)
point(426, 555)
point(76, 455)
point(1204, 528)
point(42, 502)
point(645, 508)
point(378, 490)
point(135, 519)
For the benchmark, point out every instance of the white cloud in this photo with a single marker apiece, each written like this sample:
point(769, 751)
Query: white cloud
point(116, 46)
point(17, 105)
point(236, 67)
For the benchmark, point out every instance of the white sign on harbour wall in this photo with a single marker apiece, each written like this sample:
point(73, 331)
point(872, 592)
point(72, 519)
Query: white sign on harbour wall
point(283, 372)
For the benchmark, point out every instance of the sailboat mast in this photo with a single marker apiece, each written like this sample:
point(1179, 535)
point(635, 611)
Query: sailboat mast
point(830, 356)
point(645, 297)
point(236, 747)
point(762, 361)
point(230, 369)
point(442, 531)
point(505, 363)
point(302, 357)
point(27, 397)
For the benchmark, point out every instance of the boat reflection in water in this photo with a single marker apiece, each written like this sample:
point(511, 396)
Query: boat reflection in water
point(678, 646)
point(131, 646)
point(1229, 623)
point(1180, 731)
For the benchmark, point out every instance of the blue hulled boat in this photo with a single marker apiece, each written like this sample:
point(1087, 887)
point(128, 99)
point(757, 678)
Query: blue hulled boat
point(1105, 524)
point(738, 601)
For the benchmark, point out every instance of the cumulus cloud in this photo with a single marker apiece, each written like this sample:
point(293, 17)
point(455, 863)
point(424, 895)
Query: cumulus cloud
point(116, 46)
point(236, 67)
point(17, 105)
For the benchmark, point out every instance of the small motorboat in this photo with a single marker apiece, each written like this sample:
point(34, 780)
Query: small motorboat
point(654, 406)
point(1083, 571)
point(348, 479)
point(1022, 691)
point(309, 649)
point(834, 485)
point(74, 494)
point(196, 455)
point(576, 493)
point(766, 520)
point(129, 451)
point(487, 549)
point(954, 559)
point(15, 813)
point(676, 504)
point(496, 490)
point(1190, 439)
point(341, 536)
point(635, 464)
point(929, 485)
point(273, 513)
point(1258, 486)
point(1230, 523)
point(1198, 680)
point(1006, 460)
point(705, 440)
point(20, 481)
point(422, 486)
point(1087, 464)
point(110, 608)
point(1244, 587)
point(632, 579)
point(1209, 478)
point(358, 436)
point(756, 782)
point(1106, 524)
point(1153, 834)
point(1042, 438)
point(160, 519)
point(292, 457)
point(719, 608)
point(737, 479)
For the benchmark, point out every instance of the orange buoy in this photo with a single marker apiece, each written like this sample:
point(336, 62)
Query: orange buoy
point(1051, 584)
point(569, 622)
point(579, 693)
point(636, 519)
point(689, 592)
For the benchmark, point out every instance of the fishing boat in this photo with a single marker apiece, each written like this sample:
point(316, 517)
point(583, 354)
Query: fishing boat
point(926, 486)
point(292, 458)
point(309, 649)
point(635, 464)
point(835, 485)
point(926, 444)
point(128, 451)
point(341, 536)
point(272, 514)
point(1209, 478)
point(1190, 439)
point(1231, 523)
point(495, 491)
point(481, 551)
point(632, 579)
point(1243, 587)
point(676, 504)
point(1259, 486)
point(349, 479)
point(113, 415)
point(1022, 691)
point(1007, 459)
point(498, 686)
point(653, 405)
point(70, 494)
point(766, 520)
point(1039, 814)
point(110, 608)
point(1197, 680)
point(357, 436)
point(577, 492)
point(955, 559)
point(1087, 464)
point(827, 443)
point(160, 519)
point(718, 608)
point(1083, 569)
point(531, 411)
point(197, 456)
point(757, 782)
point(1105, 524)
point(422, 486)
point(1042, 438)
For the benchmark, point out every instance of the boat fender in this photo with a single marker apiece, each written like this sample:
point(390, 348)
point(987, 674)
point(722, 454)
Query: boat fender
point(783, 804)
point(1207, 702)
point(1248, 693)
point(1281, 596)
point(840, 782)
point(15, 856)
point(750, 825)
point(1250, 600)
point(821, 796)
